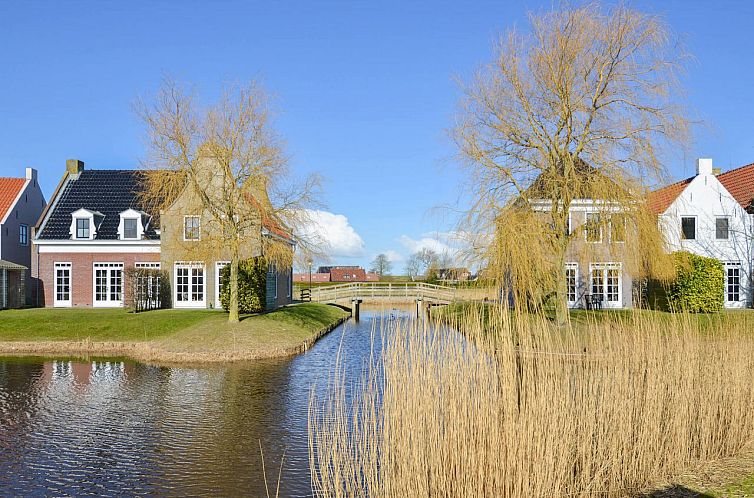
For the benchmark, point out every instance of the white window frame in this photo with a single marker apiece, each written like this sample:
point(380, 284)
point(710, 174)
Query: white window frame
point(110, 267)
point(23, 234)
point(62, 303)
point(575, 268)
point(586, 227)
point(604, 267)
point(151, 265)
point(190, 303)
point(219, 265)
point(131, 214)
point(730, 265)
point(199, 228)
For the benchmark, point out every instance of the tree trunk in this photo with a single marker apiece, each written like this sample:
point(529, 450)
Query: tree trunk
point(233, 304)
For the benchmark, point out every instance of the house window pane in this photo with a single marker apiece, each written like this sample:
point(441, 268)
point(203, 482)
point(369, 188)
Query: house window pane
point(688, 228)
point(570, 274)
point(733, 283)
point(191, 230)
point(721, 228)
point(593, 228)
point(82, 228)
point(129, 228)
point(23, 234)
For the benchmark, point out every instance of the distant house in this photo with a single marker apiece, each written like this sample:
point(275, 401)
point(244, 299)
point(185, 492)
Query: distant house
point(709, 214)
point(454, 274)
point(95, 228)
point(21, 203)
point(341, 274)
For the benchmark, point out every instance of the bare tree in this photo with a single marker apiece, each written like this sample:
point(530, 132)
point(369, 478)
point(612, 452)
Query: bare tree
point(229, 163)
point(381, 265)
point(413, 267)
point(580, 107)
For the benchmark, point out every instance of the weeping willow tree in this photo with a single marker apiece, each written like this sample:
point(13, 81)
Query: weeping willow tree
point(571, 114)
point(226, 162)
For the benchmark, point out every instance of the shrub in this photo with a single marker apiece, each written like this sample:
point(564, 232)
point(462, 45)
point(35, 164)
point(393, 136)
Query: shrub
point(697, 288)
point(147, 289)
point(252, 285)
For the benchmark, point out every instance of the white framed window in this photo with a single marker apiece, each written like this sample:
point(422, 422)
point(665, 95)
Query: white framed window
point(107, 285)
point(606, 281)
point(571, 276)
point(82, 228)
point(130, 228)
point(132, 225)
point(722, 228)
point(593, 228)
point(219, 265)
point(62, 296)
point(732, 282)
point(688, 227)
point(149, 286)
point(290, 283)
point(84, 224)
point(190, 285)
point(23, 234)
point(192, 228)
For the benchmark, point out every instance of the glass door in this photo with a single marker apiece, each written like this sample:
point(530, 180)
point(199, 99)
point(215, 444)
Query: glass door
point(108, 285)
point(62, 297)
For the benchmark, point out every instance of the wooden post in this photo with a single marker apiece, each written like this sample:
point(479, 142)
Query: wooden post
point(355, 305)
point(419, 308)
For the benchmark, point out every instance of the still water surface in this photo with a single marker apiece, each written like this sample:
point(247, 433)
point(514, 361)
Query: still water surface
point(115, 427)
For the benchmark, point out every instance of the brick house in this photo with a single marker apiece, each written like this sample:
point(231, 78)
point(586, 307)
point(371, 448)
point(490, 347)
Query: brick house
point(21, 203)
point(95, 228)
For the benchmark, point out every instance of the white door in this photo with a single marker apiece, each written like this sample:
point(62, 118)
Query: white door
point(733, 295)
point(218, 282)
point(108, 285)
point(62, 297)
point(607, 281)
point(190, 286)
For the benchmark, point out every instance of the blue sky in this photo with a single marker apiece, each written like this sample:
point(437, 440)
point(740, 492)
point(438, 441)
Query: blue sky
point(365, 91)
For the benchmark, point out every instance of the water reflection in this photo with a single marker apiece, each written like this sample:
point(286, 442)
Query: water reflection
point(119, 427)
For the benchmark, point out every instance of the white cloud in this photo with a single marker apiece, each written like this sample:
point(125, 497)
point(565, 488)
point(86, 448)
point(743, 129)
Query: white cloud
point(441, 242)
point(394, 256)
point(335, 233)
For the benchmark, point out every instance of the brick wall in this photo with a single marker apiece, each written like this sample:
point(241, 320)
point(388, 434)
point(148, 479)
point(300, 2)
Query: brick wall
point(81, 273)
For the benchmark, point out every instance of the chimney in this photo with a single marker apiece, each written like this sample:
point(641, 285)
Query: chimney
point(31, 174)
point(703, 167)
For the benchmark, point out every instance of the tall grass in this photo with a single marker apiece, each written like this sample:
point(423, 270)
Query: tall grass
point(521, 407)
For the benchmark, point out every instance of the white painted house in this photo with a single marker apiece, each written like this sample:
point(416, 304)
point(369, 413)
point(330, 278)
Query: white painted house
point(709, 215)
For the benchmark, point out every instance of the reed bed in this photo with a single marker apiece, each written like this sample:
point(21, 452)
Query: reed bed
point(518, 406)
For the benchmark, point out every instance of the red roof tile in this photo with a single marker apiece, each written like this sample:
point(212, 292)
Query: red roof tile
point(740, 183)
point(660, 199)
point(9, 189)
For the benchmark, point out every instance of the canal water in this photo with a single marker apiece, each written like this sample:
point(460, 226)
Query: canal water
point(73, 427)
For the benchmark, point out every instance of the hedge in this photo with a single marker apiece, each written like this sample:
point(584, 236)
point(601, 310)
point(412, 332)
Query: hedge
point(252, 285)
point(698, 287)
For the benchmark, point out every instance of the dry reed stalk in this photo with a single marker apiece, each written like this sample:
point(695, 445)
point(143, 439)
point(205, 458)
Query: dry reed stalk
point(520, 407)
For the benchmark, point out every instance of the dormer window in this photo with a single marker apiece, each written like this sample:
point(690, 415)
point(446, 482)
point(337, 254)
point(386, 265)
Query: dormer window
point(82, 228)
point(84, 224)
point(132, 224)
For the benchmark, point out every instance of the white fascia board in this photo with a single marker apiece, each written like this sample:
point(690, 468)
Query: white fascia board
point(99, 246)
point(15, 201)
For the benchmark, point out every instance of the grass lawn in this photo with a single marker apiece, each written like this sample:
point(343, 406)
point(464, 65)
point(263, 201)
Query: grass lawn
point(202, 333)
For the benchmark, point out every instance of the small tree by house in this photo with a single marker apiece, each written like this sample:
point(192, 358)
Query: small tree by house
point(252, 286)
point(228, 163)
point(381, 265)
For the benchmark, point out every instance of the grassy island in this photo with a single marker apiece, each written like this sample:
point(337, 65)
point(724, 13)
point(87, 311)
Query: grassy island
point(169, 336)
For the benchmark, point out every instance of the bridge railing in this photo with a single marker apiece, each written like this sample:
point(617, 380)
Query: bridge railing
point(365, 290)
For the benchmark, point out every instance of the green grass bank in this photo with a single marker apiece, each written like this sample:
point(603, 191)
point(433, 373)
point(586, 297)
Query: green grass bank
point(166, 336)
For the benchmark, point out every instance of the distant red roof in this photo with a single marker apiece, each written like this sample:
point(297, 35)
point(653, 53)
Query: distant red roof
point(739, 182)
point(9, 189)
point(348, 275)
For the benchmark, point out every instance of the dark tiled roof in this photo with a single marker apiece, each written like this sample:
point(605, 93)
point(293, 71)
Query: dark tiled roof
point(109, 192)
